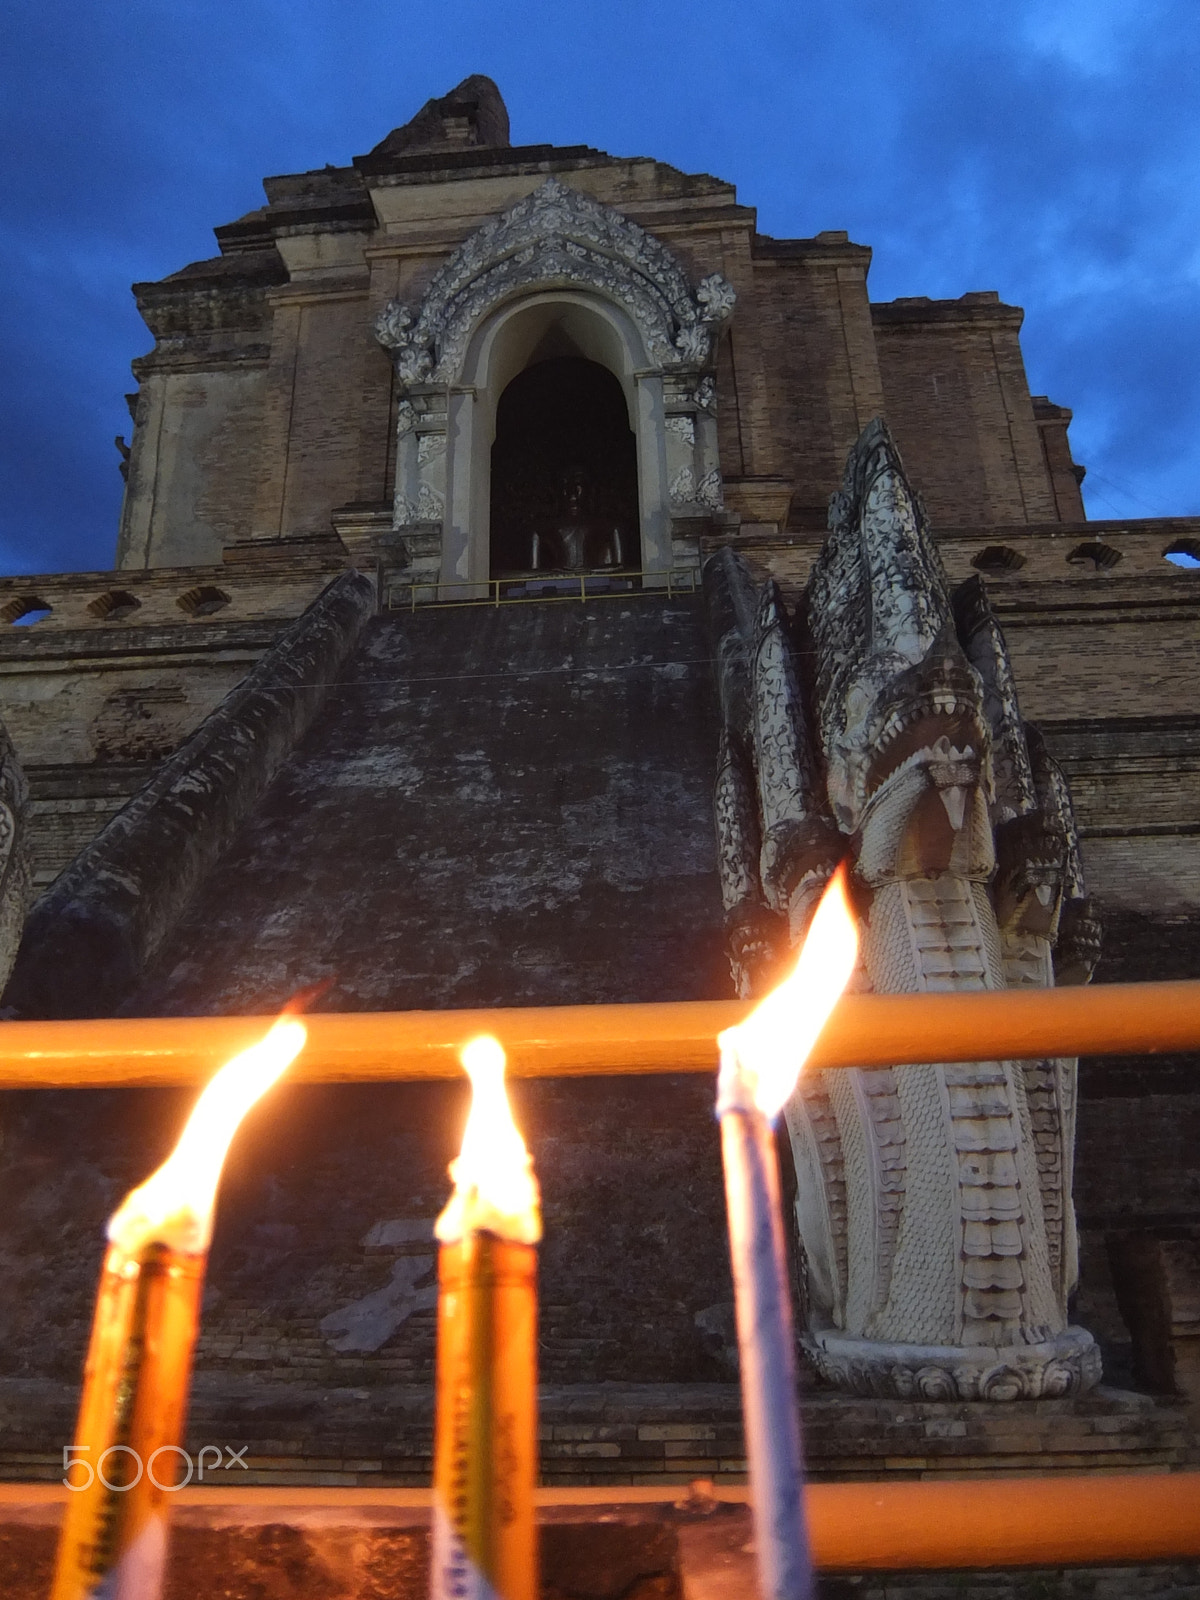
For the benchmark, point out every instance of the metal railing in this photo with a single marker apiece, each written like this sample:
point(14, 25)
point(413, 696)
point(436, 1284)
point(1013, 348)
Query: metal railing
point(878, 1526)
point(865, 1031)
point(535, 588)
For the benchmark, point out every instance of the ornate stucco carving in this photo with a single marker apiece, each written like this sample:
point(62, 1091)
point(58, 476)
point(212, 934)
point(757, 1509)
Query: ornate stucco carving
point(557, 236)
point(393, 326)
point(692, 488)
point(686, 493)
point(428, 506)
point(753, 931)
point(705, 394)
point(717, 298)
point(710, 490)
point(933, 1201)
point(16, 878)
point(800, 848)
point(683, 488)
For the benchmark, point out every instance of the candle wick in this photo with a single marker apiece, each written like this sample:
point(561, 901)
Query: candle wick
point(736, 1084)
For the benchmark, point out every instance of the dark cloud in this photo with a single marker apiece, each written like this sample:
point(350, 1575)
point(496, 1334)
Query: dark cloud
point(1045, 148)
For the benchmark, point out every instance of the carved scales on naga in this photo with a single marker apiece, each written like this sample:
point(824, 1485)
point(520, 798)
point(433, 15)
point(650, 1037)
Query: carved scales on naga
point(933, 1202)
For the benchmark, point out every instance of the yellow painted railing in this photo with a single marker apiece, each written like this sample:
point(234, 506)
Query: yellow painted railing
point(865, 1030)
point(615, 583)
point(1047, 1521)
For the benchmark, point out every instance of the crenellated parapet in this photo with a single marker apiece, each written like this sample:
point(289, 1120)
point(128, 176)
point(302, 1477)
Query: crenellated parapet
point(933, 1200)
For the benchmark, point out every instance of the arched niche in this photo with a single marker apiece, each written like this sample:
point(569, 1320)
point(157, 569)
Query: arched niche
point(557, 267)
point(564, 492)
point(504, 347)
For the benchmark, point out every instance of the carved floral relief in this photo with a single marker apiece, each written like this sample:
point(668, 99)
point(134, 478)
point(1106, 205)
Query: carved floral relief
point(557, 235)
point(557, 238)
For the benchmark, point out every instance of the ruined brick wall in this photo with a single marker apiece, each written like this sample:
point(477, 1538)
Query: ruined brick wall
point(121, 670)
point(1137, 1176)
point(1065, 477)
point(819, 369)
point(207, 452)
point(315, 416)
point(197, 446)
point(266, 403)
point(94, 929)
point(957, 401)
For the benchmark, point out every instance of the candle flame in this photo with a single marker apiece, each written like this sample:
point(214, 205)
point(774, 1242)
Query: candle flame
point(761, 1058)
point(495, 1190)
point(175, 1204)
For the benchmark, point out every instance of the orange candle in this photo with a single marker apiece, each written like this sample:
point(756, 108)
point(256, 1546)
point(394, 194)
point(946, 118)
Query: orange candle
point(126, 1458)
point(485, 1440)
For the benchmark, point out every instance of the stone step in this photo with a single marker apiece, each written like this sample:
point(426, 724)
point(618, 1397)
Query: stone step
point(637, 1433)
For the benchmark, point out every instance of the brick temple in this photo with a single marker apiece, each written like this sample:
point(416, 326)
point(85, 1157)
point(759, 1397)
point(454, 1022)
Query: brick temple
point(404, 678)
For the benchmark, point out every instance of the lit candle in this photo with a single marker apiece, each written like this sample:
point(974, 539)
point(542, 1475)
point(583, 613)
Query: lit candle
point(135, 1383)
point(485, 1441)
point(760, 1062)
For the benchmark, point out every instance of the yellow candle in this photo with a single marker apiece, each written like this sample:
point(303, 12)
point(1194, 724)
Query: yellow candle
point(126, 1456)
point(485, 1440)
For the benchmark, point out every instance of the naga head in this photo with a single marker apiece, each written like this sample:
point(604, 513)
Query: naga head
point(894, 738)
point(906, 738)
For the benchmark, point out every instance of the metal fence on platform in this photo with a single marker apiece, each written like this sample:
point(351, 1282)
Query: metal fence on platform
point(538, 587)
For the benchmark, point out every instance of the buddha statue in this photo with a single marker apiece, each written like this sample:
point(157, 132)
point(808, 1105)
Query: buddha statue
point(578, 541)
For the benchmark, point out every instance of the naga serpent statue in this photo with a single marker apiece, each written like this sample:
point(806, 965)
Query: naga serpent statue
point(881, 725)
point(16, 870)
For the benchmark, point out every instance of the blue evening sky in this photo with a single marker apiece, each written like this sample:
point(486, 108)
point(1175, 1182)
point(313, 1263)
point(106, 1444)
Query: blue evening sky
point(1044, 148)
